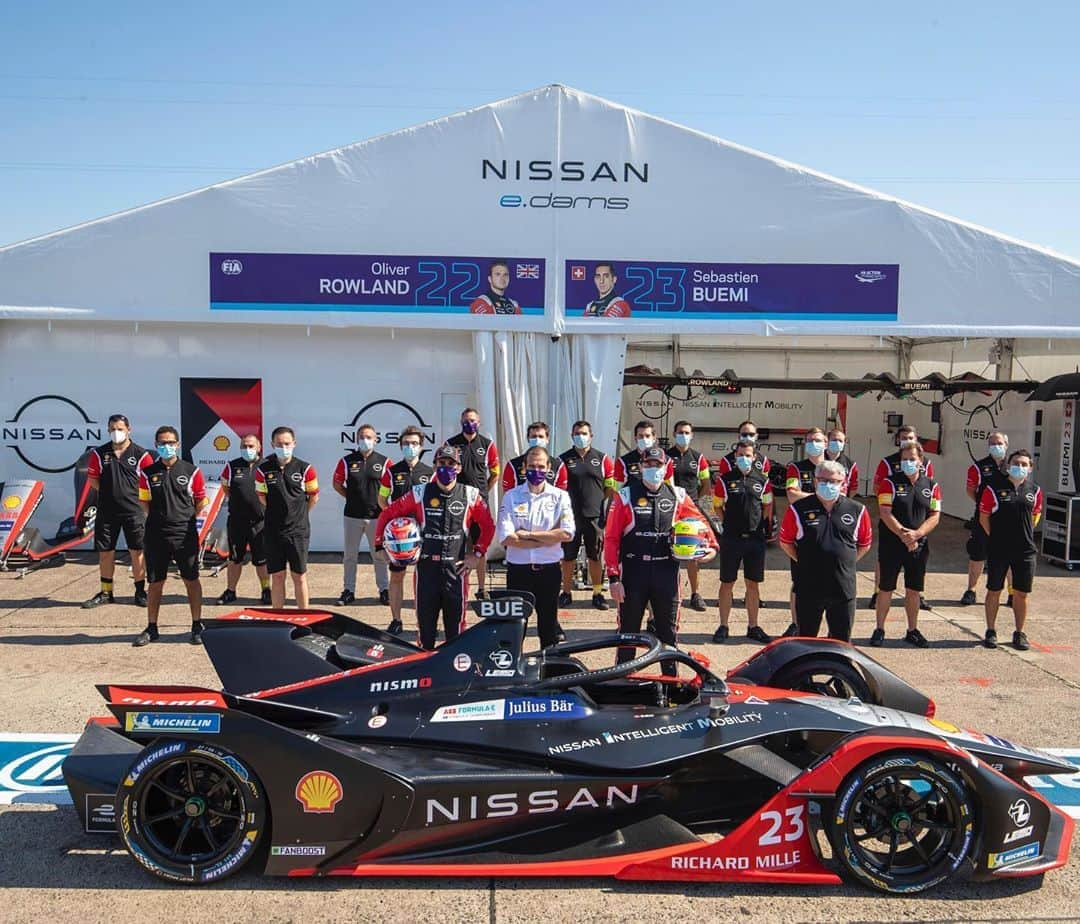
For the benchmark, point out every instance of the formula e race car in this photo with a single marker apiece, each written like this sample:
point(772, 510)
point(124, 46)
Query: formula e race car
point(479, 759)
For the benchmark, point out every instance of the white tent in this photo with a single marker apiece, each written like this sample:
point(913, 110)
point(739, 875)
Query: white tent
point(341, 283)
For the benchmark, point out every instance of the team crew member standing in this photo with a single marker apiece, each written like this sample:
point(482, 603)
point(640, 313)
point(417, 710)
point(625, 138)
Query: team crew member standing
point(637, 551)
point(987, 470)
point(743, 501)
point(799, 484)
point(690, 470)
point(836, 453)
point(628, 466)
point(748, 434)
point(244, 525)
point(479, 461)
point(446, 510)
point(825, 534)
point(1009, 511)
point(538, 434)
point(171, 492)
point(357, 478)
point(113, 471)
point(909, 505)
point(590, 481)
point(288, 488)
point(534, 520)
point(397, 481)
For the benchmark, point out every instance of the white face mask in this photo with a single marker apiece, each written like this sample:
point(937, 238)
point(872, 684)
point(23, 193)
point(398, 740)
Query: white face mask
point(365, 444)
point(118, 436)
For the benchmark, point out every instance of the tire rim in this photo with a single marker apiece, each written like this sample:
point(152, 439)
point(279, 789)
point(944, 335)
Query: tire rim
point(827, 683)
point(191, 811)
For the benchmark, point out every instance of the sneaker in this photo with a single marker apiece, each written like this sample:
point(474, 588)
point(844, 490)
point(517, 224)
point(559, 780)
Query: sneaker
point(923, 605)
point(757, 634)
point(347, 597)
point(148, 635)
point(481, 594)
point(598, 602)
point(560, 633)
point(196, 633)
point(227, 597)
point(384, 597)
point(1020, 641)
point(140, 598)
point(916, 638)
point(98, 599)
point(696, 603)
point(791, 631)
point(990, 639)
point(968, 599)
point(565, 598)
point(1008, 601)
point(877, 638)
point(264, 598)
point(395, 627)
point(720, 635)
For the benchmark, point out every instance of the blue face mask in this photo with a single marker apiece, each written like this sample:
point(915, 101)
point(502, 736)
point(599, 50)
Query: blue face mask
point(836, 447)
point(682, 440)
point(249, 453)
point(750, 438)
point(745, 463)
point(581, 440)
point(365, 445)
point(828, 490)
point(409, 451)
point(167, 451)
point(537, 441)
point(645, 442)
point(1018, 472)
point(815, 448)
point(997, 451)
point(909, 466)
point(652, 475)
point(284, 453)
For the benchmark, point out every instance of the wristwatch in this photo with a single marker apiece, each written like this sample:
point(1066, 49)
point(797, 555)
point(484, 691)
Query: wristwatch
point(477, 553)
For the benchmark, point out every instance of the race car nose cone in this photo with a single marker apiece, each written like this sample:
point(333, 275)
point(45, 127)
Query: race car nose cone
point(901, 821)
point(194, 807)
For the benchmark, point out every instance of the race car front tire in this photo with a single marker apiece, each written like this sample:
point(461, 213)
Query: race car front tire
point(828, 676)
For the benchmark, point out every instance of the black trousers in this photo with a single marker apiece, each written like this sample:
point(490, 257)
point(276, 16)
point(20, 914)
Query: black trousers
point(439, 588)
point(839, 614)
point(543, 582)
point(655, 585)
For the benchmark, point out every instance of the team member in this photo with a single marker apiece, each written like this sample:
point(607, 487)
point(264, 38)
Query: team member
point(628, 466)
point(538, 434)
point(535, 519)
point(288, 488)
point(495, 300)
point(590, 480)
point(113, 471)
point(244, 525)
point(1009, 511)
point(607, 304)
point(799, 483)
point(835, 452)
point(825, 534)
point(909, 505)
point(743, 501)
point(397, 481)
point(171, 492)
point(690, 471)
point(748, 433)
point(987, 470)
point(479, 469)
point(357, 478)
point(637, 551)
point(446, 510)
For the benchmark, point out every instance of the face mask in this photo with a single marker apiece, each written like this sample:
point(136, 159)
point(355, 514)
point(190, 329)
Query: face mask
point(469, 427)
point(365, 445)
point(909, 466)
point(118, 436)
point(446, 474)
point(750, 438)
point(1019, 472)
point(815, 448)
point(581, 440)
point(652, 476)
point(535, 476)
point(167, 451)
point(284, 453)
point(249, 453)
point(828, 490)
point(537, 441)
point(907, 442)
point(997, 451)
point(682, 440)
point(745, 463)
point(409, 451)
point(836, 447)
point(645, 442)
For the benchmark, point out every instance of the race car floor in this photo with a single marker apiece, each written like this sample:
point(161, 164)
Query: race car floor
point(52, 653)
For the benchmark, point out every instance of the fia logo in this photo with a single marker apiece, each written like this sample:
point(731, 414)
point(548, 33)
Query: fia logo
point(232, 267)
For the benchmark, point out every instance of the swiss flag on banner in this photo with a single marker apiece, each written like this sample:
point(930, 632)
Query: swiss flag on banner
point(577, 273)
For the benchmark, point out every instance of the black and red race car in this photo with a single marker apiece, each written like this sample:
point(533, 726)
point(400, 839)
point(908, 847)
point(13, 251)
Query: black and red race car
point(479, 759)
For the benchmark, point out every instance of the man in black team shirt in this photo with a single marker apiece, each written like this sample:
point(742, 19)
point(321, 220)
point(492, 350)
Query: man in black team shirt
point(288, 488)
point(113, 470)
point(171, 493)
point(479, 469)
point(245, 522)
point(357, 479)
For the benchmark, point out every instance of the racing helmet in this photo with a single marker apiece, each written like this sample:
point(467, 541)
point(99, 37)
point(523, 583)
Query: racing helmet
point(689, 538)
point(402, 541)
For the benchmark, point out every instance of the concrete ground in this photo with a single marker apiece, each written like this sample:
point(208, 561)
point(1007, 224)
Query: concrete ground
point(52, 653)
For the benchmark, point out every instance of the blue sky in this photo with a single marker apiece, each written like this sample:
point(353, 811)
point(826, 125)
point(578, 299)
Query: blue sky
point(971, 109)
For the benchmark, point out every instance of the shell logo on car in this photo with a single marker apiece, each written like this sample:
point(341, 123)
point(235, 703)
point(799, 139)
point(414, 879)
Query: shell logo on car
point(319, 792)
point(12, 501)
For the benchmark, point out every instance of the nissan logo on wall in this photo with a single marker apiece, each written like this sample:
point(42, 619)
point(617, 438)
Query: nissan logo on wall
point(389, 416)
point(49, 433)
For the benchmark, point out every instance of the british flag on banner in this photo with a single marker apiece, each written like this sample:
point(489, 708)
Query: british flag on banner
point(528, 270)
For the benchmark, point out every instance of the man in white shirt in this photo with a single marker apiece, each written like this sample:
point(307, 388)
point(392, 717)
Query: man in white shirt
point(534, 520)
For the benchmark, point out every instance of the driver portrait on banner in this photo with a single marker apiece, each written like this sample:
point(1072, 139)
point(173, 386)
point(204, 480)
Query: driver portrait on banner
point(495, 300)
point(608, 304)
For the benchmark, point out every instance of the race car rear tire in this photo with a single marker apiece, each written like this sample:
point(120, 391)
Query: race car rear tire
point(191, 812)
point(829, 676)
point(901, 823)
